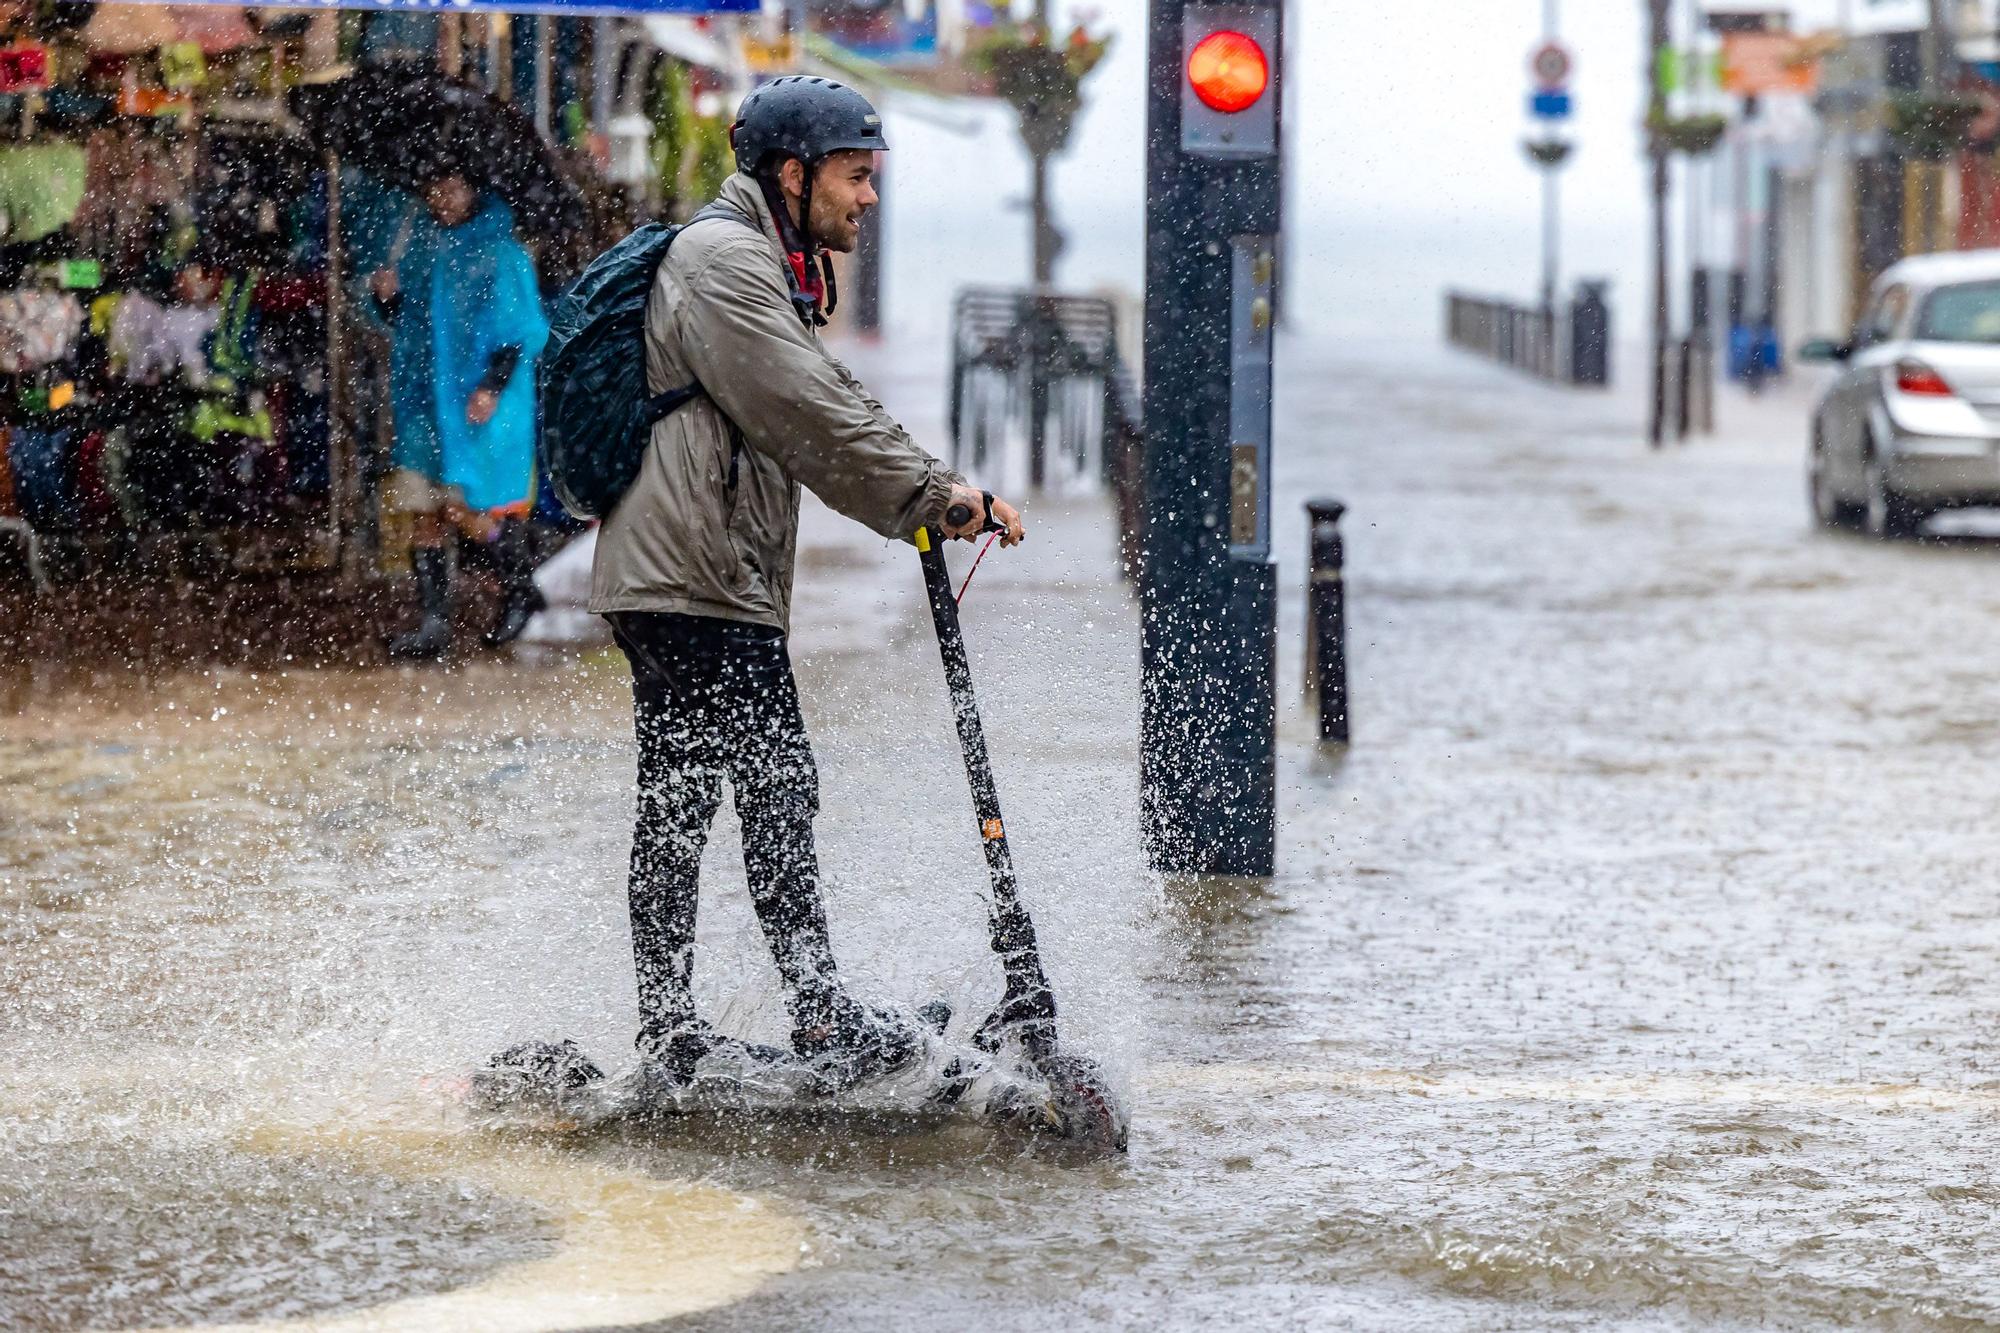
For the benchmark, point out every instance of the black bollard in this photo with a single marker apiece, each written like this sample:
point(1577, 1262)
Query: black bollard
point(1326, 619)
point(1590, 335)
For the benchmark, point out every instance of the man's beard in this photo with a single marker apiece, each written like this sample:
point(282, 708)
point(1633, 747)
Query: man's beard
point(837, 235)
point(841, 244)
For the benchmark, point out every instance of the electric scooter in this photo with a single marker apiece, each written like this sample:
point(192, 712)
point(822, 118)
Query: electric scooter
point(1049, 1090)
point(1078, 1103)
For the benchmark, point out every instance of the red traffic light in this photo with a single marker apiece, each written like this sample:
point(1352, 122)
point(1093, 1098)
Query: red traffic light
point(1229, 71)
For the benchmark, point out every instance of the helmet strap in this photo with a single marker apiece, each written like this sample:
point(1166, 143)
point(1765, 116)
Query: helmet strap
point(805, 278)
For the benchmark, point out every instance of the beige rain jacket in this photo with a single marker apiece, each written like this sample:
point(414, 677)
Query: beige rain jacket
point(682, 538)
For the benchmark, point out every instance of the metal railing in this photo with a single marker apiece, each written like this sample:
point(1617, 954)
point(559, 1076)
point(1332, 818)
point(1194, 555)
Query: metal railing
point(1031, 367)
point(1043, 373)
point(1566, 345)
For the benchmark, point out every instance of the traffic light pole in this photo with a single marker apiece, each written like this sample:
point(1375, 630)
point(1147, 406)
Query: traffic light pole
point(1208, 585)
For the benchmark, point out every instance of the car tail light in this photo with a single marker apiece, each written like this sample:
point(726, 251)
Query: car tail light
point(1917, 378)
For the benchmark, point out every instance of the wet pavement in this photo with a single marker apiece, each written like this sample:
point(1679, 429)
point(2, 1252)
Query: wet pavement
point(1633, 969)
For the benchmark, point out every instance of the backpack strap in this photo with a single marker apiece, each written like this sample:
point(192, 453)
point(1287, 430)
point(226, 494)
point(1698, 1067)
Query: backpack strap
point(660, 405)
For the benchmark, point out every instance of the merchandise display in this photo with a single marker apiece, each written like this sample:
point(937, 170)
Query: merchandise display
point(164, 330)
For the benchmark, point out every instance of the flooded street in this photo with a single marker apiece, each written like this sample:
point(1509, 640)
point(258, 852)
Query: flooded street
point(1634, 969)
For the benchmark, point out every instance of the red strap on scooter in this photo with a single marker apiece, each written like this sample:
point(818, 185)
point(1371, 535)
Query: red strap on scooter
point(960, 599)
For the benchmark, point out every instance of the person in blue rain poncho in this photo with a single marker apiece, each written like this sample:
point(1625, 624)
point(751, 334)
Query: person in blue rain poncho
point(460, 295)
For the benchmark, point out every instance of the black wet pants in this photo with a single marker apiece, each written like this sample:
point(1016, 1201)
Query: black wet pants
point(712, 699)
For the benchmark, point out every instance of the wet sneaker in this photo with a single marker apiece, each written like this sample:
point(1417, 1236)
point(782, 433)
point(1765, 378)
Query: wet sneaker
point(855, 1044)
point(675, 1061)
point(653, 1088)
point(533, 1072)
point(676, 1055)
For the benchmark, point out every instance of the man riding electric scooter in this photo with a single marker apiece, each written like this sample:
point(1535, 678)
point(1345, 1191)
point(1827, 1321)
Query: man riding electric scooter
point(694, 565)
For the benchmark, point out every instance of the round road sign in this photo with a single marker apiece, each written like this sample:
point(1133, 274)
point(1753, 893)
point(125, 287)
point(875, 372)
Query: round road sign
point(1550, 66)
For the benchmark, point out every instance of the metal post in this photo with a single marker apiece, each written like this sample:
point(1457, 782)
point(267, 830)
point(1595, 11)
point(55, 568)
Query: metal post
point(1657, 40)
point(1938, 54)
point(603, 73)
point(1684, 400)
point(1773, 239)
point(1208, 723)
point(451, 44)
point(1702, 317)
point(545, 26)
point(1040, 346)
point(500, 54)
point(868, 257)
point(1046, 239)
point(1697, 176)
point(342, 456)
point(1551, 236)
point(1326, 618)
point(1590, 336)
point(1940, 71)
point(1551, 219)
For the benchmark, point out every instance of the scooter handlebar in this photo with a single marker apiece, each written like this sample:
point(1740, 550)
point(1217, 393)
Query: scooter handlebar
point(959, 515)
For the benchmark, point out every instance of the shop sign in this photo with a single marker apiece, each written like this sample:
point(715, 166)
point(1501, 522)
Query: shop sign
point(771, 56)
point(1757, 63)
point(885, 34)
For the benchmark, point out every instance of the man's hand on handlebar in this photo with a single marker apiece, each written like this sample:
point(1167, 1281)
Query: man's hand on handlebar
point(967, 515)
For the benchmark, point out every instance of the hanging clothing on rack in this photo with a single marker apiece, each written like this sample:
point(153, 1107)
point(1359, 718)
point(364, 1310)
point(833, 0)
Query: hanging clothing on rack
point(41, 189)
point(40, 462)
point(149, 342)
point(37, 328)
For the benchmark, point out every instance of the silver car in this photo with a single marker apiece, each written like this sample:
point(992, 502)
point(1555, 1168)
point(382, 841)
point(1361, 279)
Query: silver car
point(1911, 424)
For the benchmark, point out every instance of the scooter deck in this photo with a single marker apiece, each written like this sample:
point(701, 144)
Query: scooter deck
point(557, 1081)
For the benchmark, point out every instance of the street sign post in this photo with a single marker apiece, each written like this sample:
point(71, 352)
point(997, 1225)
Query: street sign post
point(1549, 69)
point(1550, 66)
point(1208, 587)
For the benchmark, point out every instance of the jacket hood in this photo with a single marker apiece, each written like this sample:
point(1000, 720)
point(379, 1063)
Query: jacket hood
point(747, 197)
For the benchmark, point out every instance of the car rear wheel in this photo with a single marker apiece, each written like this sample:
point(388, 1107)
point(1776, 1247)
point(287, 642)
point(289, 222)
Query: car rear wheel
point(1889, 514)
point(1829, 510)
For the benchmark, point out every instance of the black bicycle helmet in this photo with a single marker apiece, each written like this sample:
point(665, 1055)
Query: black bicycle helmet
point(805, 117)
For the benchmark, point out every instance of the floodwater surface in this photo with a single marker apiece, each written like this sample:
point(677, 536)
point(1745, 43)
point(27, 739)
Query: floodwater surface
point(1635, 968)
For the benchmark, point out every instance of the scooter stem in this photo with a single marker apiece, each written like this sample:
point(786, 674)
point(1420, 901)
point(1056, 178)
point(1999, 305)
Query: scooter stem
point(1028, 1007)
